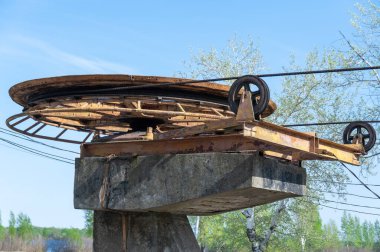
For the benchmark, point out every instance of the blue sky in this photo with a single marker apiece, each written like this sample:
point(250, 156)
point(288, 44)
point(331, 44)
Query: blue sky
point(51, 38)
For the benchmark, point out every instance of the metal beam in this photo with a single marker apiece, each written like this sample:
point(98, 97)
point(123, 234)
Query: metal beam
point(281, 144)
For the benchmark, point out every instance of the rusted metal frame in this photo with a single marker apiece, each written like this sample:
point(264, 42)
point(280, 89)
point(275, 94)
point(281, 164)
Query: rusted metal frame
point(106, 129)
point(169, 146)
point(187, 119)
point(60, 133)
point(112, 113)
point(146, 111)
point(39, 128)
point(20, 121)
point(151, 101)
point(31, 127)
point(90, 123)
point(204, 128)
point(10, 119)
point(112, 117)
point(180, 107)
point(201, 144)
point(60, 125)
point(217, 112)
point(306, 135)
point(304, 146)
point(87, 137)
point(245, 113)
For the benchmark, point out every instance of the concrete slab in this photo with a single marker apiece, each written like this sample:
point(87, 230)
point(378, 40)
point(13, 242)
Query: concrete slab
point(192, 184)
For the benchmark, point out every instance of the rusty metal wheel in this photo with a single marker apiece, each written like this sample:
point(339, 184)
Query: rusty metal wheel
point(362, 130)
point(259, 92)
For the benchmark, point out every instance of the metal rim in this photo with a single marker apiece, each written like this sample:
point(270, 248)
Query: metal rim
point(99, 104)
point(114, 115)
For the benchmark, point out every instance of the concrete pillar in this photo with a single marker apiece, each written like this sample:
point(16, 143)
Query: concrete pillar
point(142, 232)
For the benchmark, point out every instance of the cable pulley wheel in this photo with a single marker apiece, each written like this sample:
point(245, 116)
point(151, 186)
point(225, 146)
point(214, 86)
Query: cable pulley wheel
point(259, 92)
point(360, 129)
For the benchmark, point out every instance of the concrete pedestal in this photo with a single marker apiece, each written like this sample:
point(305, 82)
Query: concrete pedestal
point(192, 184)
point(141, 202)
point(153, 232)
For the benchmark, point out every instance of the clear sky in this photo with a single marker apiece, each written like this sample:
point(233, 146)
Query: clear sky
point(51, 38)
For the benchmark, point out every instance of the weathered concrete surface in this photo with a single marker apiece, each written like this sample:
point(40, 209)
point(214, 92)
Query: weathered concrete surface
point(198, 184)
point(142, 232)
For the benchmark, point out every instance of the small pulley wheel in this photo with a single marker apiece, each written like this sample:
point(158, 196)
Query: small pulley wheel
point(259, 93)
point(360, 129)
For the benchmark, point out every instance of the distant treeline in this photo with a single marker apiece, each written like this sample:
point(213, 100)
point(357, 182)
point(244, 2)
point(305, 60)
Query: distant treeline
point(227, 232)
point(223, 232)
point(21, 235)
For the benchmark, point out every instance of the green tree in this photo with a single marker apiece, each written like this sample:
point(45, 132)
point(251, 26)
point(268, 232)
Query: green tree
point(24, 226)
point(352, 231)
point(51, 232)
point(376, 245)
point(303, 227)
point(224, 232)
point(363, 49)
point(331, 236)
point(89, 222)
point(301, 99)
point(368, 234)
point(74, 235)
point(2, 229)
point(12, 225)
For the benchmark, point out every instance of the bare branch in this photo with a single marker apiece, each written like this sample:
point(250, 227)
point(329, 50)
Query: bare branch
point(360, 56)
point(273, 226)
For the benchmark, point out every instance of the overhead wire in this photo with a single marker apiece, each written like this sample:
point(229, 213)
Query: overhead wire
point(348, 210)
point(17, 144)
point(328, 123)
point(38, 152)
point(257, 75)
point(102, 90)
point(373, 155)
point(369, 189)
point(11, 133)
point(343, 203)
point(341, 209)
point(347, 194)
point(343, 183)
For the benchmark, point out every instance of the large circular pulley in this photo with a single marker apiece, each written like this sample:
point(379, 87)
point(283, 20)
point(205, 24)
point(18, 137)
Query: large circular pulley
point(259, 93)
point(357, 130)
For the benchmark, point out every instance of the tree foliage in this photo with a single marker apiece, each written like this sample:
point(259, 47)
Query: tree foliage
point(89, 222)
point(331, 237)
point(363, 49)
point(24, 226)
point(2, 229)
point(224, 232)
point(12, 225)
point(300, 99)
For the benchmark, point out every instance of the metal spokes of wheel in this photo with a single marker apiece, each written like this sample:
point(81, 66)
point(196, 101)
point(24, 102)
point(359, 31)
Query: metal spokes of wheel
point(259, 93)
point(356, 130)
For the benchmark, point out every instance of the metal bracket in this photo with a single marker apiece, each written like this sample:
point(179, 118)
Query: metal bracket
point(245, 110)
point(245, 114)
